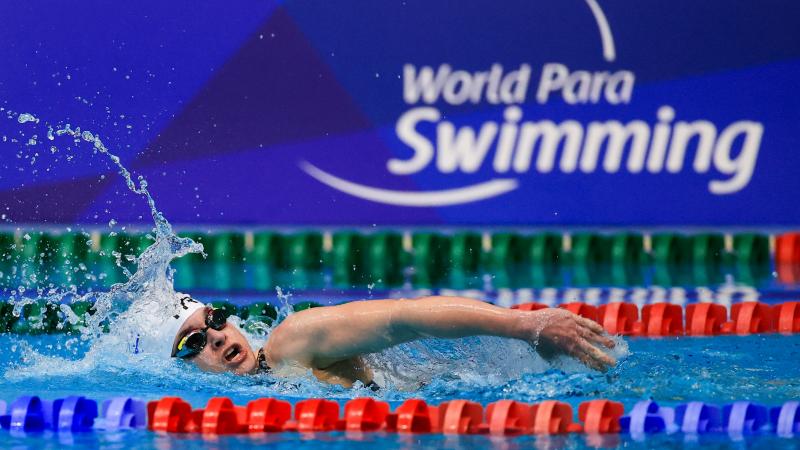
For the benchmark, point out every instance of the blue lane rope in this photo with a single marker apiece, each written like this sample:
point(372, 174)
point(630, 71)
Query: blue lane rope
point(31, 414)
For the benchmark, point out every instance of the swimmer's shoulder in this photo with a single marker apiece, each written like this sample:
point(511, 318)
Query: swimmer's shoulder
point(291, 341)
point(285, 346)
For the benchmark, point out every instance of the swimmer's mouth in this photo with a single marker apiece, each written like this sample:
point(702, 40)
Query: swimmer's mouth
point(233, 353)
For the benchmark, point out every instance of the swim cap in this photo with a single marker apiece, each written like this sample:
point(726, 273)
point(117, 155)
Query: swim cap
point(156, 329)
point(185, 306)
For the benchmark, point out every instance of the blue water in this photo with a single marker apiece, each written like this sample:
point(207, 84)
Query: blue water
point(373, 441)
point(760, 368)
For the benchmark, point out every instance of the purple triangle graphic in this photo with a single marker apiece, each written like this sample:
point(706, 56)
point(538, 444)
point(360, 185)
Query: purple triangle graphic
point(60, 202)
point(275, 89)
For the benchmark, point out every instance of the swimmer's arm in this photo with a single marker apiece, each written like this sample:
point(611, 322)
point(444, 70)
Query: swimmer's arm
point(320, 337)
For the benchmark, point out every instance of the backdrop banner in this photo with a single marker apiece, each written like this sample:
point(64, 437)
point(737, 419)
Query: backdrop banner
point(558, 112)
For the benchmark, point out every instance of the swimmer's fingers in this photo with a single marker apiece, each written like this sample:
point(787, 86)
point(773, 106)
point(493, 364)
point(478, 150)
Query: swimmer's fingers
point(590, 362)
point(587, 361)
point(596, 331)
point(599, 360)
point(580, 349)
point(596, 338)
point(591, 324)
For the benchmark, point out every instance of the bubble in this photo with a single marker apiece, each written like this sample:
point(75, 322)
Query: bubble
point(26, 117)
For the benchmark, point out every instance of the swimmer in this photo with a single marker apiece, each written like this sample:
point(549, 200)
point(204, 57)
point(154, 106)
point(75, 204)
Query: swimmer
point(331, 340)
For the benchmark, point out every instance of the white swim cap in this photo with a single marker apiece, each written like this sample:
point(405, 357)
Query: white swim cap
point(158, 329)
point(185, 306)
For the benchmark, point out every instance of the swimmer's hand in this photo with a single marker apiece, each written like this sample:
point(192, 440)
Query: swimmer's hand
point(559, 332)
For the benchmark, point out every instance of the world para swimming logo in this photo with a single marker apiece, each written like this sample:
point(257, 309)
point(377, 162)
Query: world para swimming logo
point(515, 146)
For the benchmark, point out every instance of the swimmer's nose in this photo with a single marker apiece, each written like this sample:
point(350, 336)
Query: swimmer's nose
point(216, 339)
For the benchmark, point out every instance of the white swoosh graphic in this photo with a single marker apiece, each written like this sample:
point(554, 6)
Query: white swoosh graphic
point(445, 197)
point(609, 52)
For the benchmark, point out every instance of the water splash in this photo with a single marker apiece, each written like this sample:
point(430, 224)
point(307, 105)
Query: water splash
point(135, 310)
point(25, 117)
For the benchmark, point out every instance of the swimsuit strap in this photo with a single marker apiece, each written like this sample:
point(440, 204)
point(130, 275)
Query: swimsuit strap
point(261, 361)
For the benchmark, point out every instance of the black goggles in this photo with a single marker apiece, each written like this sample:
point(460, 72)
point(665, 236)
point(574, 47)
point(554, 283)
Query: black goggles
point(195, 341)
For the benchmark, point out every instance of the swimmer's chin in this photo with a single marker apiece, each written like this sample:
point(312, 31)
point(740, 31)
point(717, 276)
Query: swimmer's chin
point(248, 366)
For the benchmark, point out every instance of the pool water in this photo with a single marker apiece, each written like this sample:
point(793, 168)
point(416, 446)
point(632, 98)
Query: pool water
point(759, 368)
point(373, 441)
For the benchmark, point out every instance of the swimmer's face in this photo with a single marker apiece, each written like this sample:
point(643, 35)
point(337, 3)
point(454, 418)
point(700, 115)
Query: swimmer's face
point(226, 350)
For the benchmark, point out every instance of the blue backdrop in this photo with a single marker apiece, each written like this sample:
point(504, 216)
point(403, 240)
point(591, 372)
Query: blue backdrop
point(572, 112)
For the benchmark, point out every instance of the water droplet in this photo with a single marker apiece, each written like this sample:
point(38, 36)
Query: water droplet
point(25, 117)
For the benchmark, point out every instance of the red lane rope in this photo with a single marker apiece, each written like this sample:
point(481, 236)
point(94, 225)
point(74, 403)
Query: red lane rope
point(697, 319)
point(504, 417)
